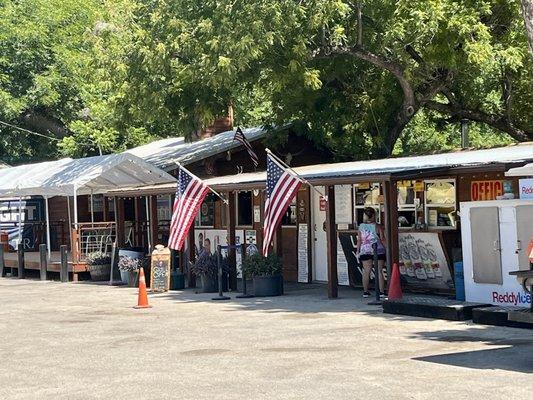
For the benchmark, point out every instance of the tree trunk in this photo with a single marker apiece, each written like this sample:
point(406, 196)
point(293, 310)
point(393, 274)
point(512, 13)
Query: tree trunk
point(527, 12)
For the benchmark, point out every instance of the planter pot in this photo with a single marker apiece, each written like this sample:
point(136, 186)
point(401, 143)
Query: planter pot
point(100, 272)
point(209, 284)
point(129, 277)
point(268, 286)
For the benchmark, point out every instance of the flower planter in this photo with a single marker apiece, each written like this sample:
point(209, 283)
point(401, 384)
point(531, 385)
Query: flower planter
point(210, 283)
point(268, 285)
point(129, 277)
point(100, 272)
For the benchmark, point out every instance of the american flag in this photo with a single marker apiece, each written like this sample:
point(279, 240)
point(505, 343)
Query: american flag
point(239, 136)
point(282, 186)
point(189, 197)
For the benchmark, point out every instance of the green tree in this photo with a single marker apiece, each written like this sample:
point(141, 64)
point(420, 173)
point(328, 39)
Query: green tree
point(356, 73)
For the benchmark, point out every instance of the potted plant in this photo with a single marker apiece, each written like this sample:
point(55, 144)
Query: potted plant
point(129, 269)
point(99, 266)
point(206, 268)
point(266, 274)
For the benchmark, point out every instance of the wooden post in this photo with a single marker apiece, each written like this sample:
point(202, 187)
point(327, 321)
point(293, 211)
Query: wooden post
point(20, 253)
point(393, 221)
point(385, 185)
point(63, 272)
point(154, 221)
point(120, 222)
point(331, 233)
point(278, 250)
point(106, 209)
point(43, 265)
point(3, 272)
point(191, 279)
point(230, 212)
point(138, 222)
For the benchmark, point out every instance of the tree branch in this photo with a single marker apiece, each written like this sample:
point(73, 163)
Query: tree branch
point(499, 122)
point(393, 67)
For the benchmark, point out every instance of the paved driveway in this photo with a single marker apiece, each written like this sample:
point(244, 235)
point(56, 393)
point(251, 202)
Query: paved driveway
point(84, 341)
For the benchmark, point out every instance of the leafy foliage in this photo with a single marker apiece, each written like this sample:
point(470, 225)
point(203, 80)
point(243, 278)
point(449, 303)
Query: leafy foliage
point(366, 78)
point(258, 265)
point(98, 258)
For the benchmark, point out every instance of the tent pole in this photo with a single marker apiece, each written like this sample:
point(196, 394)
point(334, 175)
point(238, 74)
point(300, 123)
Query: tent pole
point(148, 224)
point(75, 207)
point(20, 222)
point(116, 218)
point(92, 209)
point(48, 243)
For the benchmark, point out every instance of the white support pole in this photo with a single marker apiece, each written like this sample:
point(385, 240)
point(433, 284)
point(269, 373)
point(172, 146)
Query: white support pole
point(92, 208)
point(148, 224)
point(48, 242)
point(20, 222)
point(75, 208)
point(116, 219)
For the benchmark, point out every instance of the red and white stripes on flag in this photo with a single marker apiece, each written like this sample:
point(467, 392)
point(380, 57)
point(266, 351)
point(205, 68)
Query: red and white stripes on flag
point(189, 197)
point(282, 186)
point(239, 136)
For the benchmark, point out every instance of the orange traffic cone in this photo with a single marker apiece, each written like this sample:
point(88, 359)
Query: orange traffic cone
point(395, 288)
point(143, 295)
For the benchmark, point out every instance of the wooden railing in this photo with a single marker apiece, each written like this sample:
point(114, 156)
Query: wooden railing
point(90, 237)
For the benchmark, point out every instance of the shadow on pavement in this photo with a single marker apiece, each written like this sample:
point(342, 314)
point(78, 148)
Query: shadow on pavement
point(514, 352)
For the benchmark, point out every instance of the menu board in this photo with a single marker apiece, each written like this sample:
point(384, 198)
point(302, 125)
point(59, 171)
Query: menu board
point(423, 262)
point(160, 269)
point(303, 251)
point(342, 266)
point(343, 204)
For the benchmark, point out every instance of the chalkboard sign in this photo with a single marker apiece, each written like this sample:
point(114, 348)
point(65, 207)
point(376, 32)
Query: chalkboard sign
point(160, 271)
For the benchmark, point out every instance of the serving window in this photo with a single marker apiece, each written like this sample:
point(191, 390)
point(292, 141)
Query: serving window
point(440, 203)
point(367, 195)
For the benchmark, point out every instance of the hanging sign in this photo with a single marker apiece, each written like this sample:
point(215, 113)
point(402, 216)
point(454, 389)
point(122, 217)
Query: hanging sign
point(160, 269)
point(485, 190)
point(323, 203)
point(343, 204)
point(418, 186)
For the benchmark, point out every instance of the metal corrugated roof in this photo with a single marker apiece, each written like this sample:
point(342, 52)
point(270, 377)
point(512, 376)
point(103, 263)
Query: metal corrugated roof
point(167, 153)
point(385, 167)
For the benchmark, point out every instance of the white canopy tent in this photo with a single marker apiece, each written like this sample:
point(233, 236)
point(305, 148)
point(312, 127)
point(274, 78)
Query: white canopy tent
point(85, 176)
point(526, 170)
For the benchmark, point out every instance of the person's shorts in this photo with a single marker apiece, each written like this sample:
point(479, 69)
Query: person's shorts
point(366, 257)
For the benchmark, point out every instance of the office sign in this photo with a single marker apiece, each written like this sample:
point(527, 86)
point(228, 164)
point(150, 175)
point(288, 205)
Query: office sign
point(486, 190)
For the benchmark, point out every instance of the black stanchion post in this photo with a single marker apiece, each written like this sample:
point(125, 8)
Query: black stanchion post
point(20, 253)
point(244, 294)
point(43, 261)
point(220, 276)
point(376, 302)
point(63, 272)
point(2, 262)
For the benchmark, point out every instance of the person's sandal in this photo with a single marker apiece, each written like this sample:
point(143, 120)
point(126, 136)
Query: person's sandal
point(366, 294)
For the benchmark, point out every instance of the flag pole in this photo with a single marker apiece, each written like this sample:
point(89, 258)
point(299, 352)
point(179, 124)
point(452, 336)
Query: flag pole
point(209, 187)
point(283, 164)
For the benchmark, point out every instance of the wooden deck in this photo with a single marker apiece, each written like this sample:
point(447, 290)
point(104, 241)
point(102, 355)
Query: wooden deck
point(32, 261)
